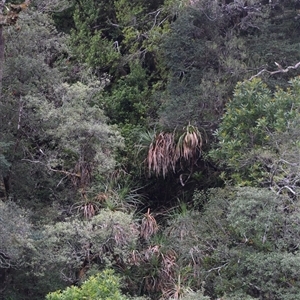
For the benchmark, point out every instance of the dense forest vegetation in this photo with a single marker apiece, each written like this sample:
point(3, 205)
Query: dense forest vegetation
point(149, 149)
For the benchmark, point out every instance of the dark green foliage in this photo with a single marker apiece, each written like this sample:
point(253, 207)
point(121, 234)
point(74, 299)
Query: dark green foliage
point(23, 283)
point(95, 39)
point(108, 35)
point(204, 62)
point(129, 101)
point(211, 47)
point(63, 19)
point(4, 164)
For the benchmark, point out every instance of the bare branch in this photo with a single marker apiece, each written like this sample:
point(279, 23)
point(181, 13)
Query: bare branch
point(280, 70)
point(51, 169)
point(20, 114)
point(218, 268)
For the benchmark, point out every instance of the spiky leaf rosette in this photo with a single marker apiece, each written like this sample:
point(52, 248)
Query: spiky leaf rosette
point(189, 144)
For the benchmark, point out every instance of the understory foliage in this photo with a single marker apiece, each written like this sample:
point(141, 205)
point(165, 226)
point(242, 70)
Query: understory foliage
point(243, 243)
point(76, 245)
point(15, 236)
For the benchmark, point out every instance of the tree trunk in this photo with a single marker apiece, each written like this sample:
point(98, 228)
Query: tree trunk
point(1, 59)
point(2, 3)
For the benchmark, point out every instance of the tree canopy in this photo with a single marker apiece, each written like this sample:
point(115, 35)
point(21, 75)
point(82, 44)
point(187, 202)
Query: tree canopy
point(149, 150)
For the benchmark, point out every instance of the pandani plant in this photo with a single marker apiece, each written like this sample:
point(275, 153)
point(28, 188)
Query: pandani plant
point(167, 149)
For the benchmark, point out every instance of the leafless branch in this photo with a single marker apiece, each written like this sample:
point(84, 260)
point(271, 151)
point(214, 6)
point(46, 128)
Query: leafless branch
point(113, 24)
point(288, 188)
point(218, 268)
point(280, 70)
point(155, 18)
point(20, 113)
point(51, 169)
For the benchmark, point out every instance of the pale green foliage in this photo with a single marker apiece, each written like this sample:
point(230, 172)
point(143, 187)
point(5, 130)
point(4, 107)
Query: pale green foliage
point(190, 295)
point(78, 126)
point(103, 286)
point(199, 296)
point(68, 244)
point(237, 296)
point(26, 68)
point(259, 215)
point(272, 275)
point(51, 5)
point(15, 235)
point(27, 71)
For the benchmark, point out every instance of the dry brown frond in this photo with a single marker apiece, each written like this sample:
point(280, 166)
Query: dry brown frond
point(150, 251)
point(152, 284)
point(161, 154)
point(168, 265)
point(163, 270)
point(189, 144)
point(89, 210)
point(173, 291)
point(149, 225)
point(164, 153)
point(119, 235)
point(135, 258)
point(101, 197)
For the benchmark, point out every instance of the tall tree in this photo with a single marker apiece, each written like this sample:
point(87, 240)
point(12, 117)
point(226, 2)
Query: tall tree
point(256, 132)
point(56, 131)
point(7, 17)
